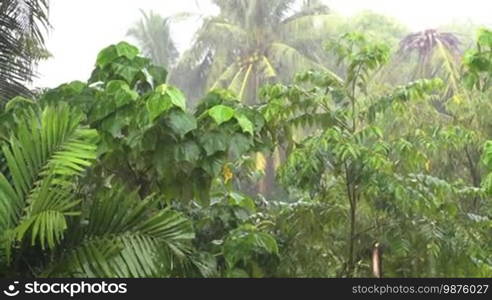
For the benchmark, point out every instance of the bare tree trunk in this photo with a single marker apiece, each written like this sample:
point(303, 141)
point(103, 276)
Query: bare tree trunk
point(352, 219)
point(377, 261)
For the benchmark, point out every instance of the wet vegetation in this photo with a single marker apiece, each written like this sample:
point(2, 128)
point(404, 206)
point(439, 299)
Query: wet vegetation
point(287, 141)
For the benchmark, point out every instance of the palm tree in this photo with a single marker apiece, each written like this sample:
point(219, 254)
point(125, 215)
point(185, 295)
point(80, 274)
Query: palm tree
point(22, 25)
point(432, 53)
point(434, 49)
point(253, 41)
point(153, 34)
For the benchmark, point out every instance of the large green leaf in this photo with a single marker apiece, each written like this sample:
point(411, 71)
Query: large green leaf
point(221, 113)
point(158, 104)
point(214, 142)
point(163, 99)
point(182, 122)
point(120, 92)
point(176, 96)
point(240, 144)
point(188, 151)
point(111, 53)
point(246, 125)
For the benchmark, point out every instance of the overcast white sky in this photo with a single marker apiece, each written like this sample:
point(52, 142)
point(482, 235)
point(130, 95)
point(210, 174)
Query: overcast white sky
point(83, 27)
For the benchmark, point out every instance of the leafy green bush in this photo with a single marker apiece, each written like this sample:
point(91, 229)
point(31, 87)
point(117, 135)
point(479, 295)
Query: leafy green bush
point(97, 172)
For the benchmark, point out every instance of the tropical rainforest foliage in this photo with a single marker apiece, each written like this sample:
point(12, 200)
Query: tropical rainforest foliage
point(377, 140)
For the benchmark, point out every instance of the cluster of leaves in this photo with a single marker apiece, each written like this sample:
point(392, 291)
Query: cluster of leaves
point(478, 75)
point(148, 137)
point(478, 62)
point(97, 173)
point(364, 174)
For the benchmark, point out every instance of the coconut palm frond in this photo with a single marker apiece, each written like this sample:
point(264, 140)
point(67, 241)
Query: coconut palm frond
point(22, 27)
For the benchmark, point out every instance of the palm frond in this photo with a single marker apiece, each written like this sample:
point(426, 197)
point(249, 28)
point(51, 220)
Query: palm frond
point(286, 58)
point(321, 27)
point(126, 237)
point(153, 34)
point(425, 42)
point(22, 25)
point(309, 8)
point(47, 151)
point(230, 72)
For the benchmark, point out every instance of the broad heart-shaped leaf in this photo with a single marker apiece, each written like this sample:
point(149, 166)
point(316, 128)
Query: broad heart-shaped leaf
point(221, 113)
point(126, 50)
point(120, 92)
point(245, 124)
point(115, 123)
point(158, 74)
point(213, 166)
point(239, 144)
point(158, 104)
point(177, 97)
point(106, 56)
point(124, 71)
point(181, 122)
point(109, 54)
point(214, 142)
point(188, 151)
point(116, 95)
